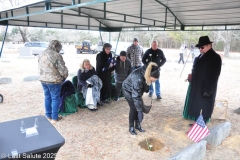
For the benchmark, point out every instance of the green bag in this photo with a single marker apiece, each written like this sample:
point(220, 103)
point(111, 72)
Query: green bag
point(70, 106)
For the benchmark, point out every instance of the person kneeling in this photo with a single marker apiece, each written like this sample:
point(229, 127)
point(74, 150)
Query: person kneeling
point(122, 69)
point(89, 84)
point(133, 88)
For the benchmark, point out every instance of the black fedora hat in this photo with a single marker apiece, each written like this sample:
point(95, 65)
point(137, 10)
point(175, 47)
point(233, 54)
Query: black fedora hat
point(203, 41)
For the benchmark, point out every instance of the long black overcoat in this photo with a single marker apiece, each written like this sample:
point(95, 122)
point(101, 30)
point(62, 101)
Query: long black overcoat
point(205, 73)
point(105, 76)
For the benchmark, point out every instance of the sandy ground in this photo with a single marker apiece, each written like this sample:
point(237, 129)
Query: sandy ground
point(104, 134)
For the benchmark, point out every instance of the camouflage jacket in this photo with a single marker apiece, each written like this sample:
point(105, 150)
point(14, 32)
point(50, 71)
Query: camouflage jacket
point(51, 66)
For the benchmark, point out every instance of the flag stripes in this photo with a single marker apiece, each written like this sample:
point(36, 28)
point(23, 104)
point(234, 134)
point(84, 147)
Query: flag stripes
point(199, 130)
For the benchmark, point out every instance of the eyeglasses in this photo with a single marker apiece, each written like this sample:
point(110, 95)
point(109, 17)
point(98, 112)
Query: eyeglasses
point(201, 47)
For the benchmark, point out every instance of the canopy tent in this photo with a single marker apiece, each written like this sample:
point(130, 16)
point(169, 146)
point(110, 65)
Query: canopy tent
point(124, 15)
point(121, 15)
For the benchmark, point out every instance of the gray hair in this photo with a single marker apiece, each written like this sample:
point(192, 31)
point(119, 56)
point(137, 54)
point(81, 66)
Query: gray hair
point(155, 41)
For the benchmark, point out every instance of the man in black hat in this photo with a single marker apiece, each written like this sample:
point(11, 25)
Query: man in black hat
point(135, 53)
point(203, 82)
point(122, 69)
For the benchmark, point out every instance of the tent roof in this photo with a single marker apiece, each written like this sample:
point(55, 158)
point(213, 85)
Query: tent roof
point(117, 15)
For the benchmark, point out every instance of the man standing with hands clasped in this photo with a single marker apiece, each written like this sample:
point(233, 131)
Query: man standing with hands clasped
point(154, 54)
point(134, 54)
point(203, 82)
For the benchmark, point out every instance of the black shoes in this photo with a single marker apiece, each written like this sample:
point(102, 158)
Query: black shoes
point(106, 101)
point(150, 95)
point(132, 131)
point(138, 127)
point(100, 103)
point(159, 97)
point(116, 99)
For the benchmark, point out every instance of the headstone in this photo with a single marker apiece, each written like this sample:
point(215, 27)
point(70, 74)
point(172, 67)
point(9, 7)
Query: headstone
point(30, 78)
point(196, 151)
point(5, 80)
point(5, 61)
point(218, 133)
point(25, 52)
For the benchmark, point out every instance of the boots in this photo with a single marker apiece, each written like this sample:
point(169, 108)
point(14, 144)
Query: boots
point(138, 126)
point(132, 130)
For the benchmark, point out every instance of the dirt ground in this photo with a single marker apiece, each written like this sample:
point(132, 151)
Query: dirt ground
point(104, 134)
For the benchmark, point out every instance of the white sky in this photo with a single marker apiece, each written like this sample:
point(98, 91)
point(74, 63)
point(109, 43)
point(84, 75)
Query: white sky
point(6, 4)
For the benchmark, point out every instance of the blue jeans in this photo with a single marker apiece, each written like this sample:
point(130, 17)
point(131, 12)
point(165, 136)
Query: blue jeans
point(52, 99)
point(157, 88)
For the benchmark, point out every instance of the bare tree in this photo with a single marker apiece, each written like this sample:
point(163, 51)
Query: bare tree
point(226, 37)
point(3, 5)
point(151, 35)
point(12, 3)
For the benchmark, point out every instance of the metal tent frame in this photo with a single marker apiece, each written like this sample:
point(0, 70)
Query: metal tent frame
point(125, 15)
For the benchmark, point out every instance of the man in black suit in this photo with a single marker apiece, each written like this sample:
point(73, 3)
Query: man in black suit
point(203, 82)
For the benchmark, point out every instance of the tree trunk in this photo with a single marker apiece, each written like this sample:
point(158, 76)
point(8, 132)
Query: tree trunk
point(23, 32)
point(226, 49)
point(227, 43)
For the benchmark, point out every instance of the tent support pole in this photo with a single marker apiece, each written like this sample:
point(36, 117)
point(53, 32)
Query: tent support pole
point(3, 40)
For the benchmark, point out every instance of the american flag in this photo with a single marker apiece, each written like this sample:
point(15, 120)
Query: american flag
point(199, 130)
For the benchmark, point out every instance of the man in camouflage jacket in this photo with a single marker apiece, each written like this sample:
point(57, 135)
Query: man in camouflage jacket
point(52, 72)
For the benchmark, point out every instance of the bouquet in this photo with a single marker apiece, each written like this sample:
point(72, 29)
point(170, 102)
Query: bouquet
point(111, 62)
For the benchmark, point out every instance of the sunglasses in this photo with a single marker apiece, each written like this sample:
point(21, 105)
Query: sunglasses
point(201, 47)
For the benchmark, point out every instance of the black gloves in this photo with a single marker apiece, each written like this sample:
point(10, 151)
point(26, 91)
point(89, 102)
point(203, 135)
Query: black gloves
point(89, 85)
point(140, 116)
point(145, 88)
point(206, 95)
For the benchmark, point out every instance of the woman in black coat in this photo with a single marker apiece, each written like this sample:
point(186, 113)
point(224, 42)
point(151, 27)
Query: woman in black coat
point(133, 88)
point(104, 67)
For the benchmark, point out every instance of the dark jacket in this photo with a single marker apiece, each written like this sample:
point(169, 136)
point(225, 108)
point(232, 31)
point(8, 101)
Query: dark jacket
point(83, 76)
point(136, 84)
point(157, 56)
point(67, 89)
point(205, 73)
point(122, 69)
point(104, 72)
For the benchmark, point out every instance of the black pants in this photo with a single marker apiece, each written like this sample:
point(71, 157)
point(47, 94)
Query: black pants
point(118, 88)
point(181, 58)
point(133, 114)
point(106, 89)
